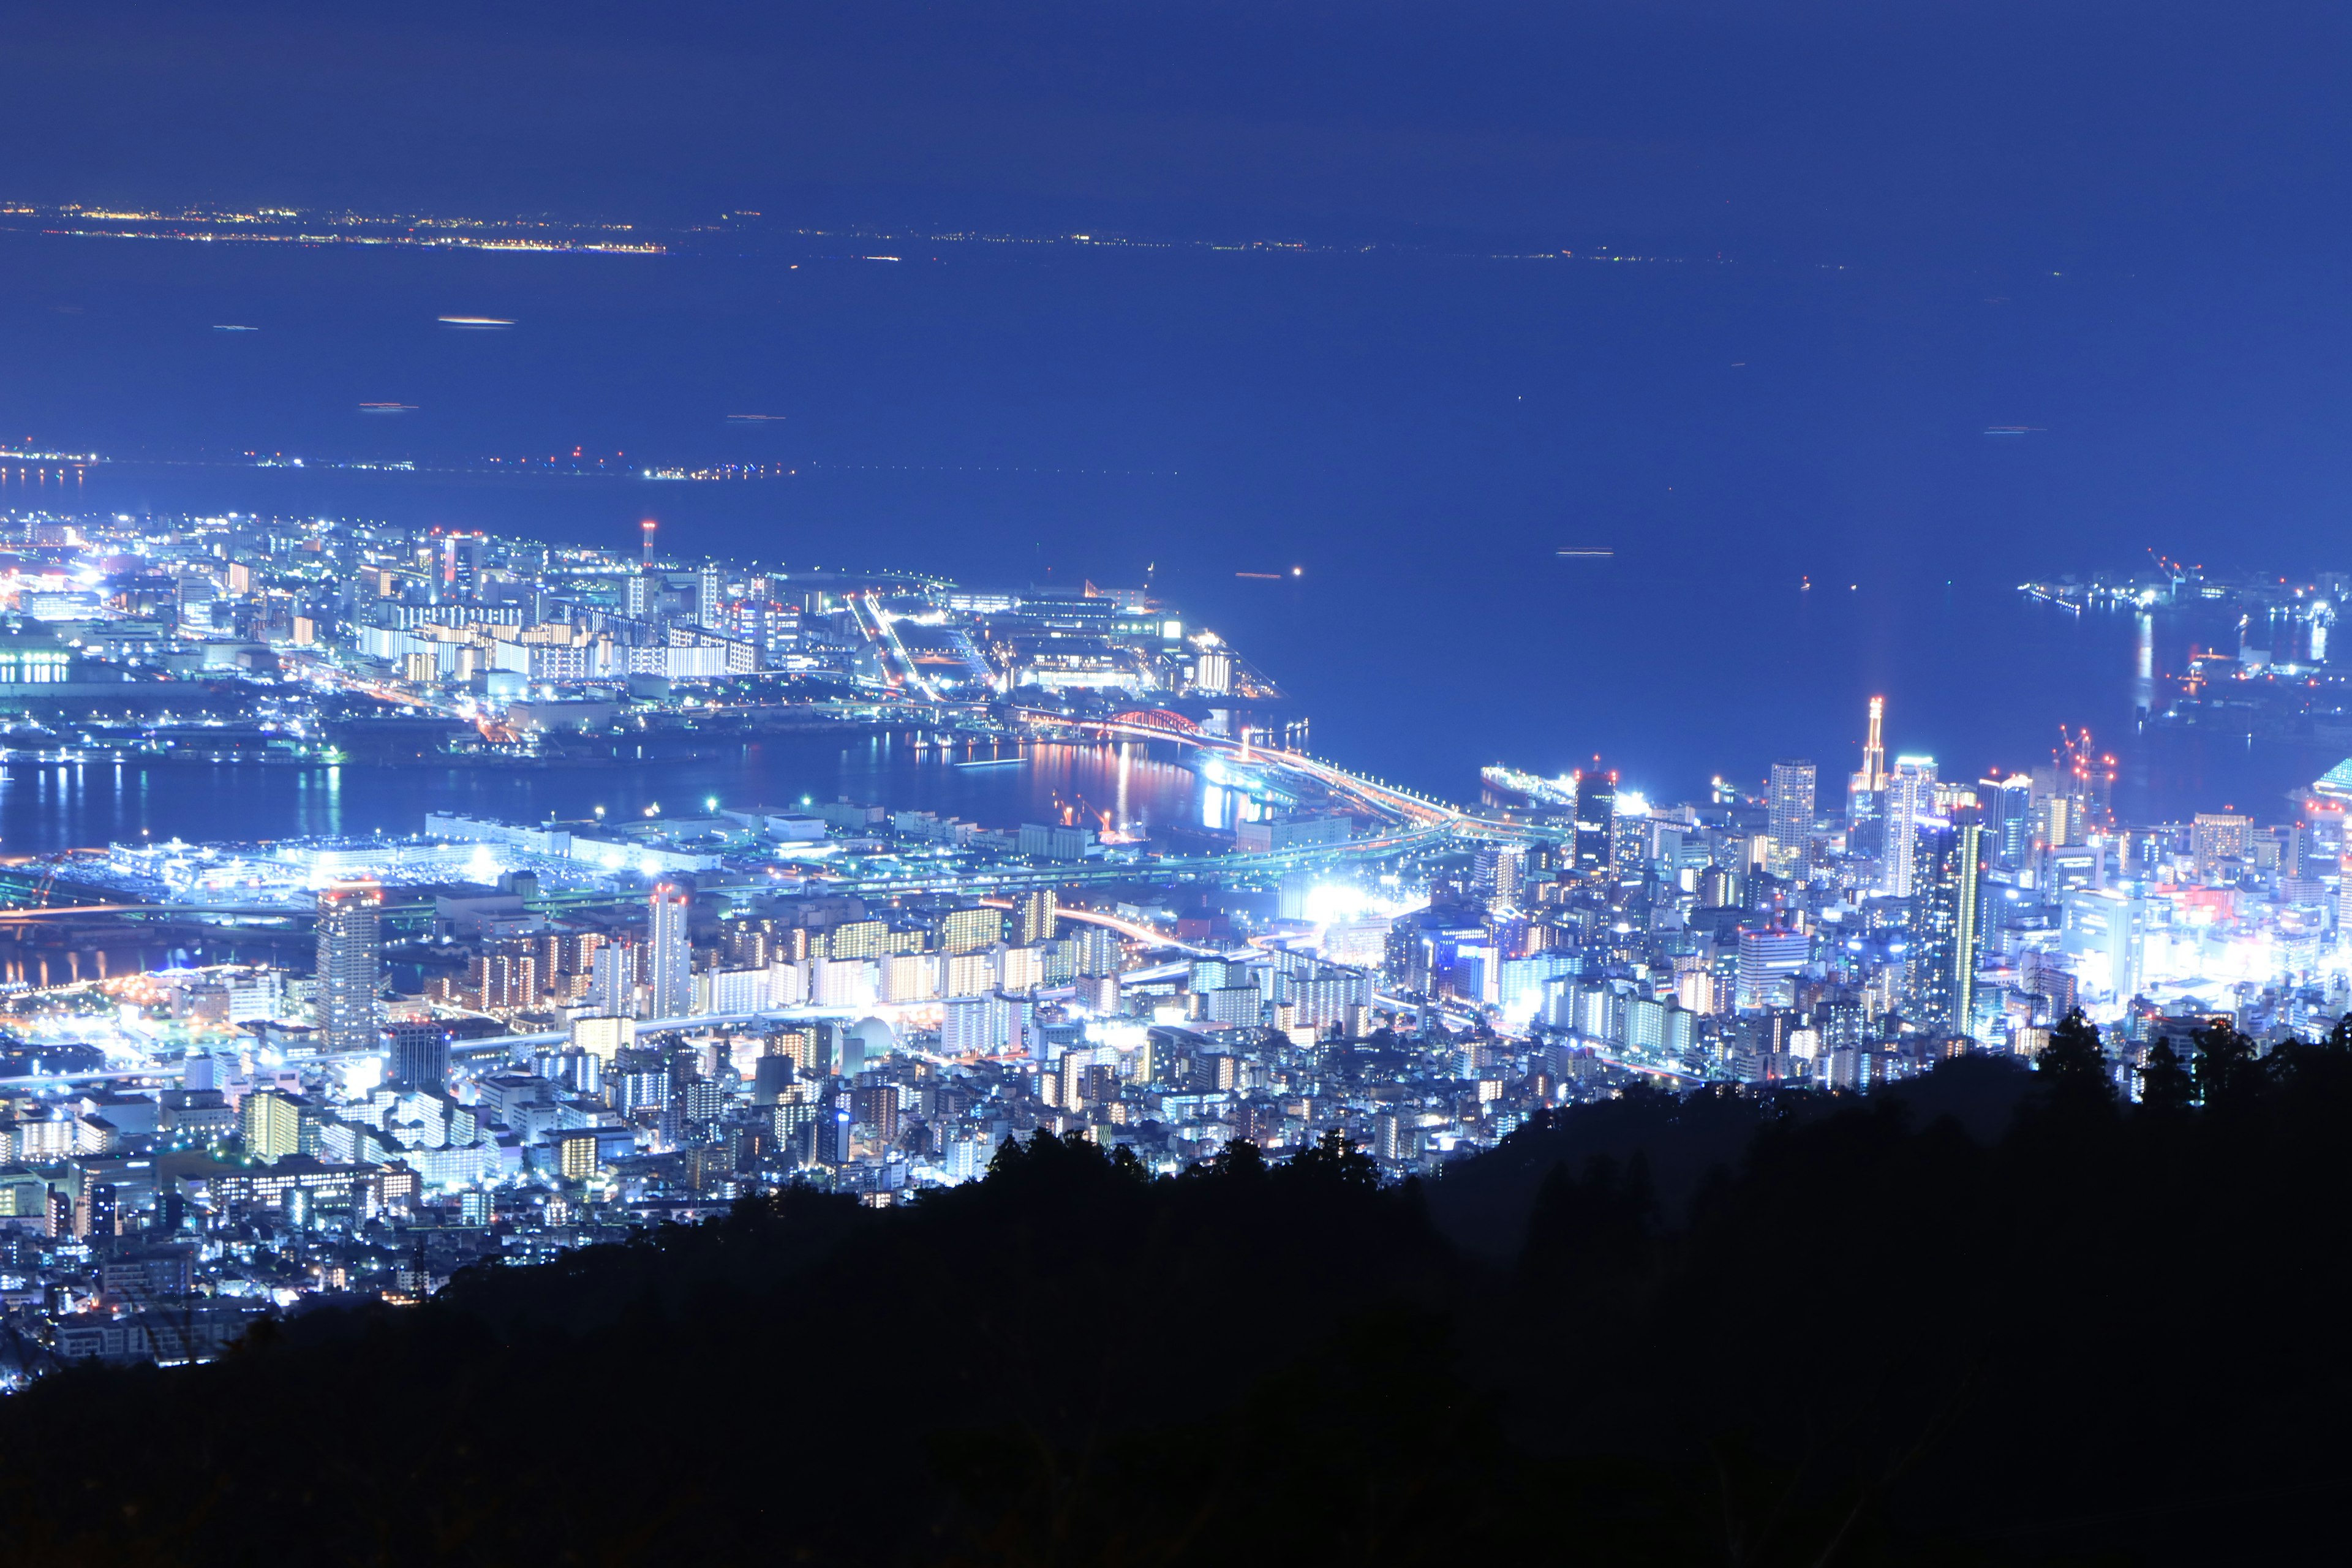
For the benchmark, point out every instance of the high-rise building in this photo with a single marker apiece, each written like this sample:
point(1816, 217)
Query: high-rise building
point(2217, 840)
point(612, 988)
point(420, 1053)
point(272, 1125)
point(1910, 795)
point(672, 951)
point(349, 967)
point(1791, 819)
point(1038, 916)
point(1498, 870)
point(1100, 952)
point(710, 597)
point(1596, 818)
point(1948, 885)
point(1767, 956)
point(2008, 818)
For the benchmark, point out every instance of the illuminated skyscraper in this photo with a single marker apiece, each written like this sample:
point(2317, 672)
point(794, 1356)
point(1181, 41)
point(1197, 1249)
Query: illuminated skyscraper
point(1910, 795)
point(1944, 923)
point(350, 967)
point(1596, 816)
point(2008, 816)
point(671, 951)
point(1792, 818)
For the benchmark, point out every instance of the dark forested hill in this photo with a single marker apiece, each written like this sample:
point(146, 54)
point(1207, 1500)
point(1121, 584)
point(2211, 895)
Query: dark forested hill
point(1996, 1317)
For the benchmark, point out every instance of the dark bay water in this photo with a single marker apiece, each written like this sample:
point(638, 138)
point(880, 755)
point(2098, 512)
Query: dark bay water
point(1420, 435)
point(45, 807)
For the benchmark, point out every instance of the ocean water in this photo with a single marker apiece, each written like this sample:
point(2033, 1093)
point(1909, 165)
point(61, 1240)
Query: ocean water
point(1789, 464)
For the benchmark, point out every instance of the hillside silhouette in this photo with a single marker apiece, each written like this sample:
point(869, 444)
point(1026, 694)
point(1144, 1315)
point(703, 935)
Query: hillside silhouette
point(1998, 1316)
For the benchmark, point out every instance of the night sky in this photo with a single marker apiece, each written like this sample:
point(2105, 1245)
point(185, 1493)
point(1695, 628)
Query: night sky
point(1862, 235)
point(1852, 131)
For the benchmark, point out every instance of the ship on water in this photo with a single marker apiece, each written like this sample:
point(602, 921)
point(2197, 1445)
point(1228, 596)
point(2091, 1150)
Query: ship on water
point(1510, 787)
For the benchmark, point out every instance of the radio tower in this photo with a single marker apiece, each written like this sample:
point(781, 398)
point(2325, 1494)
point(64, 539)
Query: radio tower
point(1865, 790)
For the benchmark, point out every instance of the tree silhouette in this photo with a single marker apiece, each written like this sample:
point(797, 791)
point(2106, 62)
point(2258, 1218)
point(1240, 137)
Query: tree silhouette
point(2316, 1074)
point(2164, 1086)
point(1241, 1160)
point(1332, 1159)
point(2074, 1064)
point(2226, 1068)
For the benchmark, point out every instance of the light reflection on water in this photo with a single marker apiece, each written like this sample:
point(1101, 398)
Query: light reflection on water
point(45, 807)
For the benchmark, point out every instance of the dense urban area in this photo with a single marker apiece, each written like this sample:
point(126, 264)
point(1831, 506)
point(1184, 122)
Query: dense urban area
point(245, 1079)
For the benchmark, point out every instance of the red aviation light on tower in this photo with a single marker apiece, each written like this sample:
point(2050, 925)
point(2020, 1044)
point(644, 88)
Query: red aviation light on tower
point(647, 526)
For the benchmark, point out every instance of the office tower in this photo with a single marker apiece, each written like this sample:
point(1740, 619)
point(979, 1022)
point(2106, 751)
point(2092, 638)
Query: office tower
point(671, 951)
point(1768, 957)
point(1596, 818)
point(350, 967)
point(1792, 818)
point(709, 596)
point(639, 585)
point(1039, 922)
point(420, 1054)
point(2009, 819)
point(1945, 925)
point(461, 563)
point(1910, 794)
